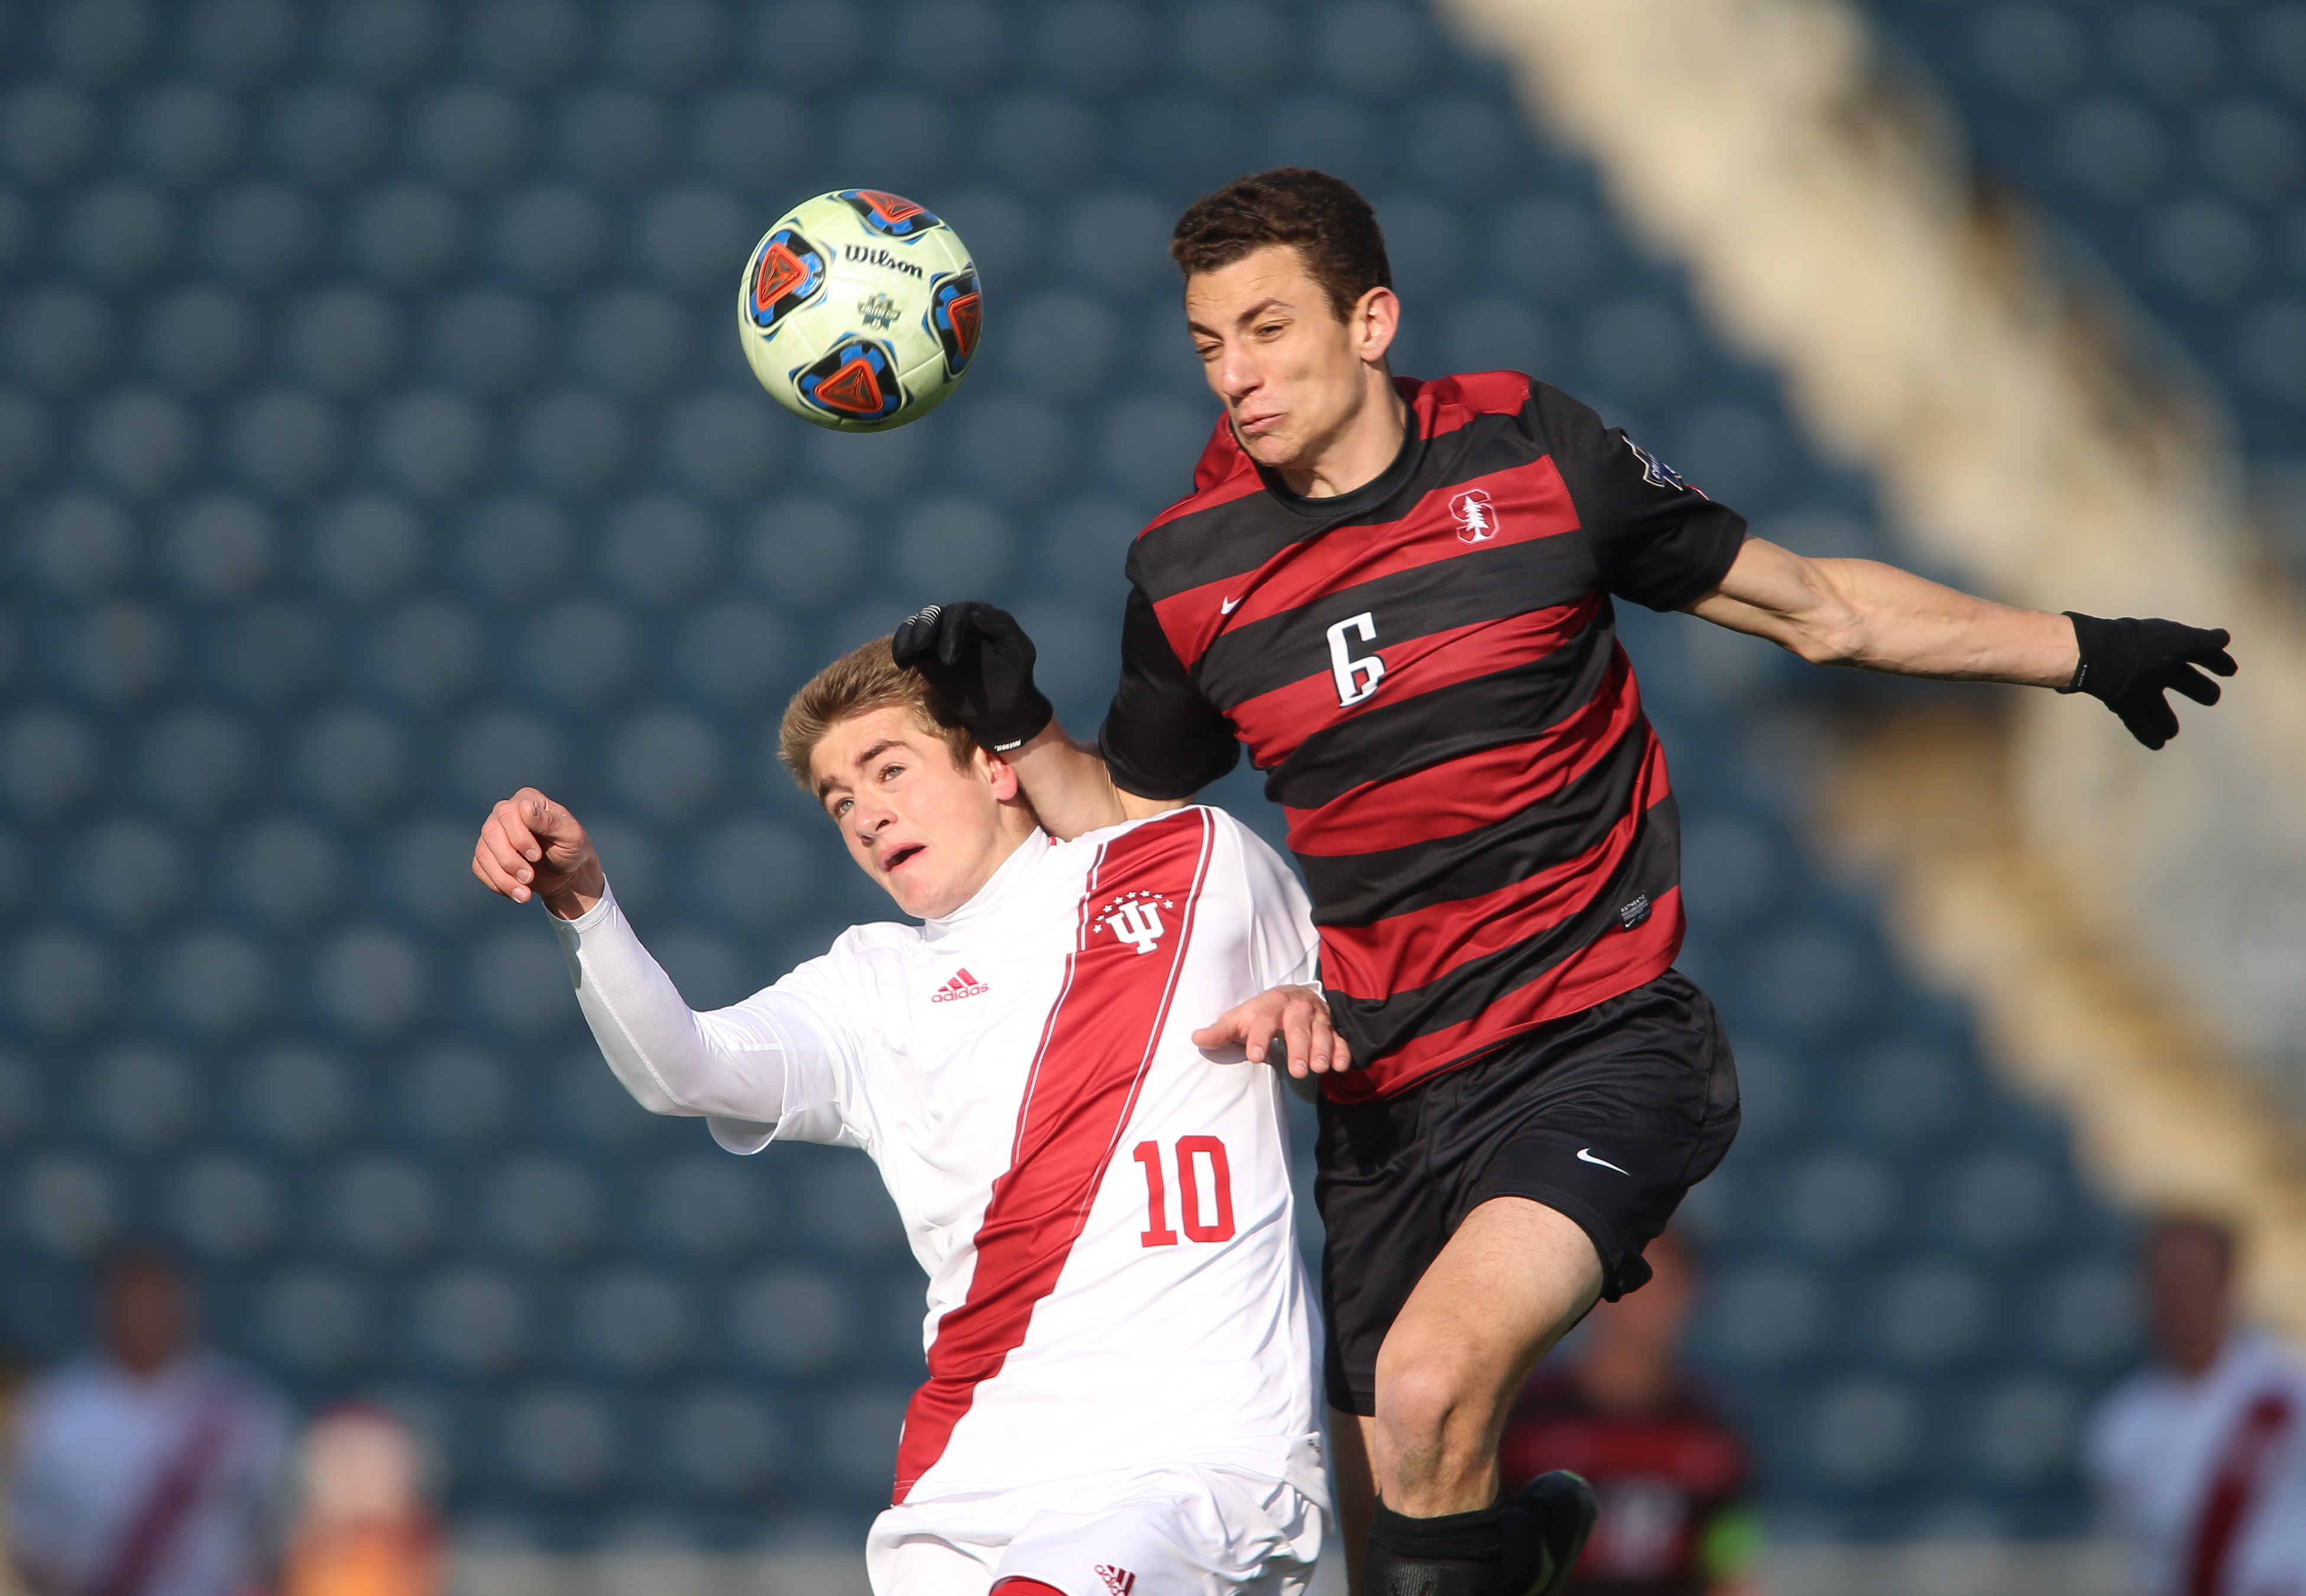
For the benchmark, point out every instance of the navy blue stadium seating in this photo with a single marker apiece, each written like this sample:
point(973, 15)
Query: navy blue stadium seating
point(2164, 146)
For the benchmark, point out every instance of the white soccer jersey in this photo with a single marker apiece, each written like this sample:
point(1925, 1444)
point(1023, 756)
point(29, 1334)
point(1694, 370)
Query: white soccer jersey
point(1104, 1210)
point(2207, 1474)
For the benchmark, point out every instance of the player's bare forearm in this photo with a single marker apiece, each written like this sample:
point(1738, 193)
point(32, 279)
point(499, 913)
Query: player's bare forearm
point(1875, 617)
point(1070, 787)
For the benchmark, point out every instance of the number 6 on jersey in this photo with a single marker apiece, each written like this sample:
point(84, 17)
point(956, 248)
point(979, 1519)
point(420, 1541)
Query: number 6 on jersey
point(1356, 679)
point(1190, 1150)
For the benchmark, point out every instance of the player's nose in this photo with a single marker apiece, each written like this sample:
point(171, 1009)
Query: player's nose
point(1237, 376)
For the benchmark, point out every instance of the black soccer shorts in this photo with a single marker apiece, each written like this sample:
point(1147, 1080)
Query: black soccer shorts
point(1607, 1116)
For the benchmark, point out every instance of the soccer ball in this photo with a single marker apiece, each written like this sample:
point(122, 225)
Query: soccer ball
point(859, 311)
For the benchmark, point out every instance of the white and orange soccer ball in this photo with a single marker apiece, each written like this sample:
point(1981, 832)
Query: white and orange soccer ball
point(859, 311)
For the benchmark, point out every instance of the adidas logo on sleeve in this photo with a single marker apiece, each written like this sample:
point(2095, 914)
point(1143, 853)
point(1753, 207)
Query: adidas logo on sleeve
point(962, 984)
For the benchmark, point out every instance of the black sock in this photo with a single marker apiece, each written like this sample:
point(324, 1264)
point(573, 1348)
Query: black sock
point(1456, 1554)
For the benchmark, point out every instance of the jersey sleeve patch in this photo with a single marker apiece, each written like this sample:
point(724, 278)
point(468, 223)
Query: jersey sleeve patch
point(1655, 539)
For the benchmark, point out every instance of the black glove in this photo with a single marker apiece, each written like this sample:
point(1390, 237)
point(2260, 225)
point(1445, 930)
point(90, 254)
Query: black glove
point(2129, 662)
point(980, 663)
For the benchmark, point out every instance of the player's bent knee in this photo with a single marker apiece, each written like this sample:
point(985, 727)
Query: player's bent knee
point(1420, 1401)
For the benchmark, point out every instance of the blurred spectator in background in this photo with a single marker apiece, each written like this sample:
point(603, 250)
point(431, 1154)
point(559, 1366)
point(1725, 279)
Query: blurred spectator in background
point(2201, 1457)
point(364, 1527)
point(153, 1468)
point(13, 1377)
point(1669, 1473)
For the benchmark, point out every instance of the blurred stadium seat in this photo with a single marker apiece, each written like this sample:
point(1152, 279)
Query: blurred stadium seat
point(2169, 143)
point(370, 417)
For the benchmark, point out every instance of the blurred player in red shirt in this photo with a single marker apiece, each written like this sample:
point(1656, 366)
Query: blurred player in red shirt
point(1669, 1471)
point(365, 1527)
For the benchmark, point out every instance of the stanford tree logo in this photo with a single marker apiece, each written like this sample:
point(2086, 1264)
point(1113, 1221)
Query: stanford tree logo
point(1477, 518)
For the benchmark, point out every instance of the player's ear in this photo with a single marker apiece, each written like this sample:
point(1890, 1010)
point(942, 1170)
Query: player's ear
point(999, 774)
point(1375, 319)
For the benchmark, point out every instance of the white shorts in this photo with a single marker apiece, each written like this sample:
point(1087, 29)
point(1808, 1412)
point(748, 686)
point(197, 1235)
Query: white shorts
point(1182, 1531)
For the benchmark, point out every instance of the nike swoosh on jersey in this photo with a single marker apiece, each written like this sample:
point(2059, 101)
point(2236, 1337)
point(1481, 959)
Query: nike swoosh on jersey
point(1227, 606)
point(1586, 1156)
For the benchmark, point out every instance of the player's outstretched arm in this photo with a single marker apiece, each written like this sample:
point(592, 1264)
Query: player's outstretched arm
point(1875, 617)
point(1291, 1022)
point(980, 661)
point(730, 1065)
point(532, 846)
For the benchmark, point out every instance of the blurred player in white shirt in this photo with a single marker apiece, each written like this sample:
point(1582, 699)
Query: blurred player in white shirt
point(2201, 1455)
point(1120, 1337)
point(154, 1468)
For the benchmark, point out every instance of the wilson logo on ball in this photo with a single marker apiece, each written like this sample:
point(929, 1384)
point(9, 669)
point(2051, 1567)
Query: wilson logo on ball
point(891, 215)
point(787, 274)
point(856, 380)
point(955, 313)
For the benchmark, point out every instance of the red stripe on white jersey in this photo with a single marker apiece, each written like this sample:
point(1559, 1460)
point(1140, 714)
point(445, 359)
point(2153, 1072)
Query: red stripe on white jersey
point(2244, 1461)
point(1096, 1046)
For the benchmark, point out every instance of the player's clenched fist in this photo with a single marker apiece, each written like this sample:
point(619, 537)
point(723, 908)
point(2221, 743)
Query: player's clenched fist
point(532, 847)
point(1290, 1023)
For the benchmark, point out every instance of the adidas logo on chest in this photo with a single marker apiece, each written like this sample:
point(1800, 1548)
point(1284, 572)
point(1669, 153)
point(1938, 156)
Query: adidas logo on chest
point(962, 984)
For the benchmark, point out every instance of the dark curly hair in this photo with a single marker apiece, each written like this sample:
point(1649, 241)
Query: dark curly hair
point(1331, 227)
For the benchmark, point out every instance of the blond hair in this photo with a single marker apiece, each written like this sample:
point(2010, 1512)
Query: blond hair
point(865, 679)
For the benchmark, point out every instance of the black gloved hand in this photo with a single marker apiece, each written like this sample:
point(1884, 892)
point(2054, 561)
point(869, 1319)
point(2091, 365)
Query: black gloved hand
point(980, 662)
point(2129, 662)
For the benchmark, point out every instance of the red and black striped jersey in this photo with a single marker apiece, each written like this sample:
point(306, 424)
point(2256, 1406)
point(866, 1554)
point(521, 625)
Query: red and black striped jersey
point(1671, 1483)
point(1427, 669)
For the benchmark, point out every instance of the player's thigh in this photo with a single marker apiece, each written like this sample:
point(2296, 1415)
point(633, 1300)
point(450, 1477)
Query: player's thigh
point(1515, 1277)
point(1385, 1217)
point(1218, 1535)
point(1647, 1073)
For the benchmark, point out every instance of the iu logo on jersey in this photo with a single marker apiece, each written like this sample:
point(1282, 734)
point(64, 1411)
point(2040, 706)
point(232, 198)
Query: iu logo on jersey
point(1477, 517)
point(1135, 918)
point(1120, 1582)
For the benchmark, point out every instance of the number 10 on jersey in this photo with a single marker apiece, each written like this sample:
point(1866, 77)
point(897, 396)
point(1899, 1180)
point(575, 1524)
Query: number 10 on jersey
point(1199, 1158)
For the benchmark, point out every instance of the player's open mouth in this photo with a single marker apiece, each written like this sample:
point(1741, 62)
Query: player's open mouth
point(899, 856)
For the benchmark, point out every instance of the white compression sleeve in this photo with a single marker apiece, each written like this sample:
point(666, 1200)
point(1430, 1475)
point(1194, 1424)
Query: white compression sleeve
point(730, 1065)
